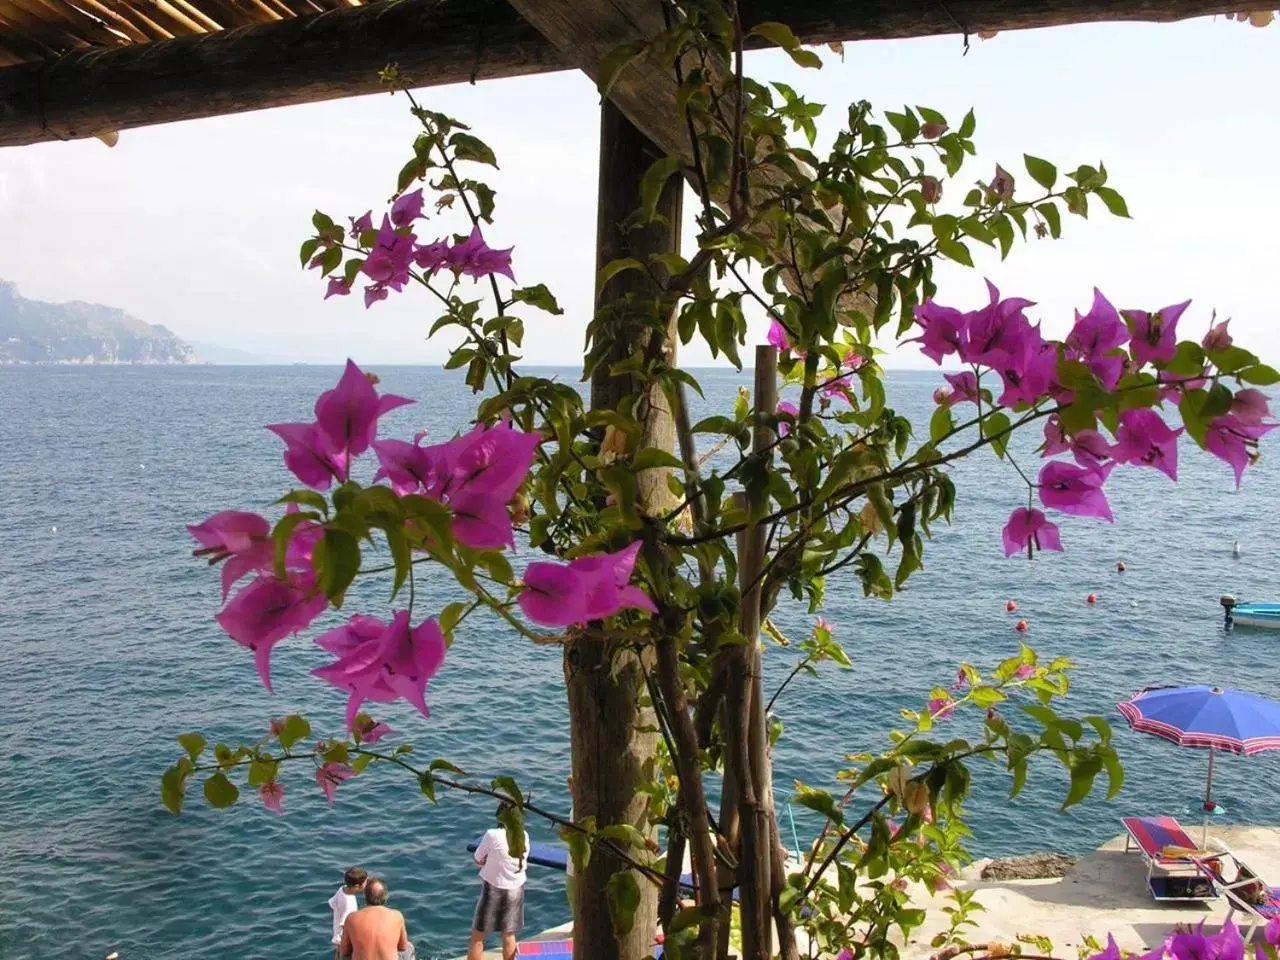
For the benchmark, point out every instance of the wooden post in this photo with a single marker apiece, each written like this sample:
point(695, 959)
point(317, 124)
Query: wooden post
point(613, 740)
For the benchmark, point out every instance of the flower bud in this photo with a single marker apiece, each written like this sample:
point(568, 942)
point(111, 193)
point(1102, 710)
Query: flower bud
point(1002, 184)
point(917, 799)
point(932, 131)
point(1217, 338)
point(931, 189)
point(941, 395)
point(1041, 231)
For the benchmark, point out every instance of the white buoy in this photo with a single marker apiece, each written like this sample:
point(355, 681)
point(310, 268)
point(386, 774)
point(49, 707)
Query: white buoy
point(55, 528)
point(1235, 549)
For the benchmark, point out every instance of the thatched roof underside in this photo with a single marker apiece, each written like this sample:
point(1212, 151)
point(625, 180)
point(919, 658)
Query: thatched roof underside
point(45, 29)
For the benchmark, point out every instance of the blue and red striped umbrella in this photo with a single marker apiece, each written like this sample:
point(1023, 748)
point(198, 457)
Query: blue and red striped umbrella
point(1203, 716)
point(1209, 717)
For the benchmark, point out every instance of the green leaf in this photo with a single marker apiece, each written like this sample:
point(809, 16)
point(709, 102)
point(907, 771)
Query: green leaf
point(507, 786)
point(1260, 375)
point(995, 427)
point(336, 560)
point(173, 790)
point(439, 764)
point(261, 771)
point(451, 614)
point(987, 696)
point(1115, 773)
point(306, 498)
point(818, 800)
point(905, 123)
point(579, 845)
point(428, 786)
point(467, 147)
point(1083, 772)
point(283, 532)
point(968, 125)
point(1042, 171)
point(1112, 201)
point(1188, 360)
point(624, 900)
point(955, 250)
point(193, 743)
point(781, 35)
point(1003, 230)
point(614, 62)
point(293, 729)
point(651, 457)
point(399, 546)
point(220, 792)
point(1051, 217)
point(308, 250)
point(651, 184)
point(693, 916)
point(1232, 359)
point(538, 296)
point(615, 267)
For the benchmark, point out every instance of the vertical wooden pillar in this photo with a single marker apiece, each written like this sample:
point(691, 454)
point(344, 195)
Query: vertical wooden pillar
point(614, 741)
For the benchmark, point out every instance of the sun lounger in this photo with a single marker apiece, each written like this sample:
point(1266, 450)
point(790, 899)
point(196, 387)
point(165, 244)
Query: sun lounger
point(1246, 892)
point(1174, 865)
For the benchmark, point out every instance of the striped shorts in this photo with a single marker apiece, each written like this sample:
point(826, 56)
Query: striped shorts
point(499, 911)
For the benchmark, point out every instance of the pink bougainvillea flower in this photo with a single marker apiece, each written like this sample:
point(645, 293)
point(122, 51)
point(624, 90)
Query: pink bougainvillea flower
point(608, 578)
point(1172, 385)
point(930, 189)
point(493, 461)
point(933, 129)
point(839, 387)
point(786, 408)
point(1001, 184)
point(1112, 952)
point(1096, 340)
point(1144, 439)
point(407, 208)
point(409, 466)
point(852, 359)
point(941, 707)
point(1024, 671)
point(387, 264)
point(1055, 438)
point(302, 543)
point(374, 293)
point(1029, 376)
point(941, 395)
point(368, 730)
point(338, 287)
point(1028, 530)
point(276, 726)
point(329, 775)
point(1218, 337)
point(347, 416)
point(944, 330)
point(964, 387)
point(999, 335)
point(307, 455)
point(1271, 932)
point(778, 335)
point(1090, 449)
point(1250, 406)
point(822, 623)
point(1233, 441)
point(352, 635)
point(432, 256)
point(266, 611)
point(1155, 335)
point(474, 258)
point(242, 539)
point(393, 663)
point(588, 588)
point(962, 680)
point(1075, 490)
point(272, 794)
point(362, 225)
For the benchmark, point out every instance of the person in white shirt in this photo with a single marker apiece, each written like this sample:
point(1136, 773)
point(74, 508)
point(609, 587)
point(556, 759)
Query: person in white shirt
point(343, 903)
point(500, 908)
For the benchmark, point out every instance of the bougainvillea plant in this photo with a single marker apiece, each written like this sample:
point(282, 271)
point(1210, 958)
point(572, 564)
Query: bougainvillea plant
point(580, 525)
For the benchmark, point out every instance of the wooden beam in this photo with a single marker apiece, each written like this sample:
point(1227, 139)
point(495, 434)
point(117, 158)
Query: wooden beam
point(320, 57)
point(339, 53)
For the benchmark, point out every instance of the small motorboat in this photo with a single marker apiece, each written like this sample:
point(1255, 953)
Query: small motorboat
point(1265, 615)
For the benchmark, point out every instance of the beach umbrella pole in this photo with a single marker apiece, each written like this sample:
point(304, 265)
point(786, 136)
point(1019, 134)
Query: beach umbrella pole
point(1208, 802)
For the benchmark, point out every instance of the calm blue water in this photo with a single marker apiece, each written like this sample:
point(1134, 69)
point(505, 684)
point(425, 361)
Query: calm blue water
point(110, 651)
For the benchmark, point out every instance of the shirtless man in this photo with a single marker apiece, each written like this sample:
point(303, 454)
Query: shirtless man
point(375, 932)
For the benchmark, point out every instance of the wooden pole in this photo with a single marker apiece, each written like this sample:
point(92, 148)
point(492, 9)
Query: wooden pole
point(613, 736)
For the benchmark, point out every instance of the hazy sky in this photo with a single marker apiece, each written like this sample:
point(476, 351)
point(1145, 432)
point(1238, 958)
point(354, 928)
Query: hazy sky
point(196, 225)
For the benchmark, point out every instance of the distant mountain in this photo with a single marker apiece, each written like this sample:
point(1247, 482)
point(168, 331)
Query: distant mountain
point(32, 331)
point(214, 353)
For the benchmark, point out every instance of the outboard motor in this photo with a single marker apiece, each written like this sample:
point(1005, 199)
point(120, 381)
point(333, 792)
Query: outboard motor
point(1228, 604)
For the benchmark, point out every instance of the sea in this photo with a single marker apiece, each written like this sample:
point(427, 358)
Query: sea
point(110, 651)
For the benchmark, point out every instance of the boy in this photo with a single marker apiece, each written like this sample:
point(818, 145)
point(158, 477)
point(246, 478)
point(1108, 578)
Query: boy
point(344, 902)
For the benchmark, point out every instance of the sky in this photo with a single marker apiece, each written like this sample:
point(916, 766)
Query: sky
point(196, 225)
